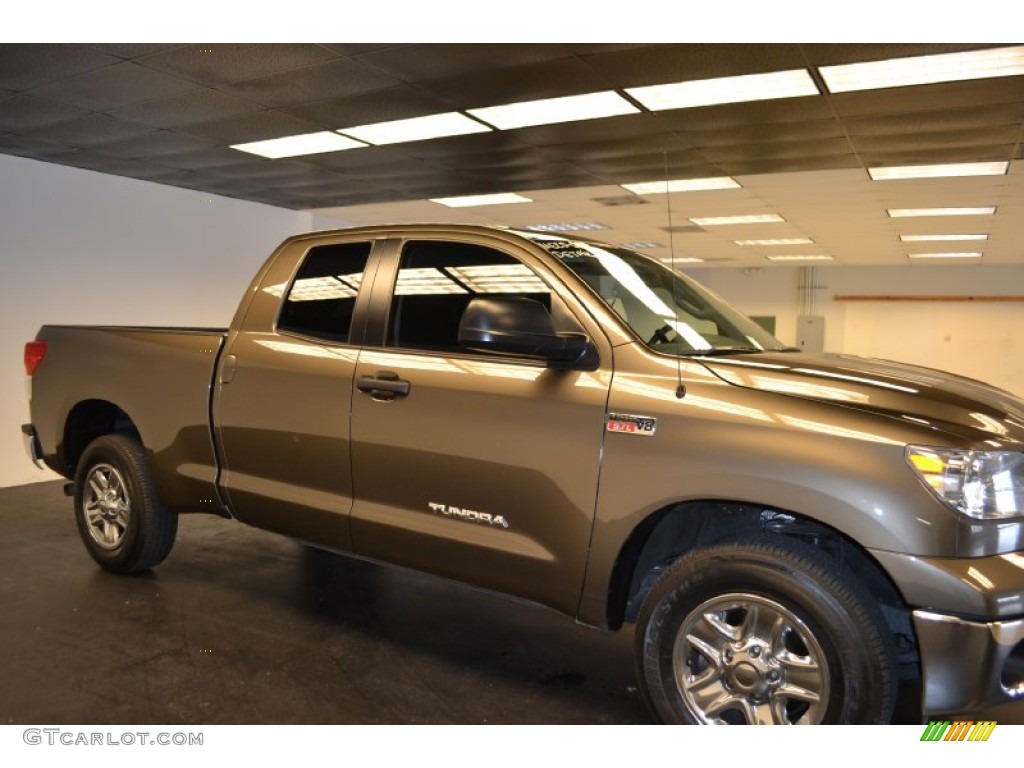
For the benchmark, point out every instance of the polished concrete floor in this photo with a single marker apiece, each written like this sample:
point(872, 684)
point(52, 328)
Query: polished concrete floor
point(241, 626)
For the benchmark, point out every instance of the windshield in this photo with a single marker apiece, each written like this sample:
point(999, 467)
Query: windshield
point(669, 312)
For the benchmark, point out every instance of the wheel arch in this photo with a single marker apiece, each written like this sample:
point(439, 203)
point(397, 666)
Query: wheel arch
point(668, 533)
point(88, 420)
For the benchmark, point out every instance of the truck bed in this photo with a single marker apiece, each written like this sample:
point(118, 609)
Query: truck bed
point(159, 378)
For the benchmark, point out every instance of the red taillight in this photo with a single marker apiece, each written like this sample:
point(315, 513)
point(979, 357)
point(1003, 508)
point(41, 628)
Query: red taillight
point(35, 351)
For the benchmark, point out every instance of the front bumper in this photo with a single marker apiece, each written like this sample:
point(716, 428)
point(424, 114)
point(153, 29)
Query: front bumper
point(969, 666)
point(32, 445)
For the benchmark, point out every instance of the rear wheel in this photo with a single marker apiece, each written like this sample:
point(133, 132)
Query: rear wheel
point(763, 631)
point(120, 519)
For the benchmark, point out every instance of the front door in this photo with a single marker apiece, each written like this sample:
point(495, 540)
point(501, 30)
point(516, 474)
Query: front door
point(472, 466)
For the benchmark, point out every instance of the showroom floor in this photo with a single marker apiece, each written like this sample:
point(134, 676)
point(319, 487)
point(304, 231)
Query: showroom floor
point(241, 626)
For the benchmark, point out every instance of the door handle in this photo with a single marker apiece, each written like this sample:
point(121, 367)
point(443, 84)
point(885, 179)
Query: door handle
point(383, 384)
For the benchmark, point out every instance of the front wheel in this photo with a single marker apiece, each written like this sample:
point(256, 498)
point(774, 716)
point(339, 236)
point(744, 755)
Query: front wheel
point(763, 631)
point(120, 519)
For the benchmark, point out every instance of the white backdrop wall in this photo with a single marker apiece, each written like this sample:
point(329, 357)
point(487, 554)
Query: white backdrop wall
point(83, 247)
point(977, 339)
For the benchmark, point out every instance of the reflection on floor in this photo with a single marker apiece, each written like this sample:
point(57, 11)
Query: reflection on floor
point(241, 626)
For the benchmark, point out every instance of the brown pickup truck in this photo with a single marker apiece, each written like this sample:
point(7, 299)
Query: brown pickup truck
point(797, 538)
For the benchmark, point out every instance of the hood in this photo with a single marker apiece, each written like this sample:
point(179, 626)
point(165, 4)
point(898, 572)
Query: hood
point(960, 406)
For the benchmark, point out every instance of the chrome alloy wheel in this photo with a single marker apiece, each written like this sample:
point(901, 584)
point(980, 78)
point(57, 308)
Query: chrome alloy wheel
point(107, 506)
point(742, 658)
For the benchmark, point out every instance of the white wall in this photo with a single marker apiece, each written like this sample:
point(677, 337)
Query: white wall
point(83, 247)
point(977, 339)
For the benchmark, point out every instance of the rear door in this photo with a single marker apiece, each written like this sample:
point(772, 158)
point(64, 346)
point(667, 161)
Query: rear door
point(473, 466)
point(285, 392)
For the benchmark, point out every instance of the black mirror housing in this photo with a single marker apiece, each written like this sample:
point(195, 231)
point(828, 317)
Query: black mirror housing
point(519, 326)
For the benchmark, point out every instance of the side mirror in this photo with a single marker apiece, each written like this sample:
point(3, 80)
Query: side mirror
point(517, 326)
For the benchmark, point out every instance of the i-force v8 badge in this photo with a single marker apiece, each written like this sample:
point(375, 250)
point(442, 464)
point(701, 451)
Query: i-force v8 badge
point(631, 424)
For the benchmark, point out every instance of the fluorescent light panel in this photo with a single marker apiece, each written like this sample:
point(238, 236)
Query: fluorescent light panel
point(579, 226)
point(716, 221)
point(726, 90)
point(939, 238)
point(797, 257)
point(681, 185)
point(921, 70)
point(971, 255)
point(777, 241)
point(302, 144)
point(937, 171)
point(642, 245)
point(565, 109)
point(416, 128)
point(903, 213)
point(470, 201)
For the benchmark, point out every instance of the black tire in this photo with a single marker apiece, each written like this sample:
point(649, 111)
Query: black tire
point(751, 630)
point(120, 519)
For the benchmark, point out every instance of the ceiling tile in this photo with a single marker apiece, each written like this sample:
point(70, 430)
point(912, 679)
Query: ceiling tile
point(256, 126)
point(729, 117)
point(354, 49)
point(912, 155)
point(215, 64)
point(196, 106)
point(23, 113)
point(219, 155)
point(133, 50)
point(113, 86)
point(759, 165)
point(161, 144)
point(376, 106)
point(657, 64)
point(563, 77)
point(332, 79)
point(938, 97)
point(24, 66)
point(913, 123)
point(756, 133)
point(826, 54)
point(93, 130)
point(32, 146)
point(433, 61)
point(1004, 136)
point(635, 127)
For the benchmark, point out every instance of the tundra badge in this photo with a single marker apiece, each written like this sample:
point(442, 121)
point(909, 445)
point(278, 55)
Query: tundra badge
point(469, 515)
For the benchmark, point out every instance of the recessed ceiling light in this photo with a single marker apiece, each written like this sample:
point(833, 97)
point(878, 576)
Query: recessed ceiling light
point(778, 241)
point(303, 144)
point(579, 226)
point(902, 213)
point(938, 238)
point(416, 128)
point(681, 185)
point(716, 221)
point(726, 90)
point(971, 255)
point(565, 109)
point(798, 257)
point(469, 201)
point(936, 171)
point(921, 70)
point(642, 245)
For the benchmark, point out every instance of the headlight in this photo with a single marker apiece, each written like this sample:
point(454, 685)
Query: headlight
point(987, 485)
